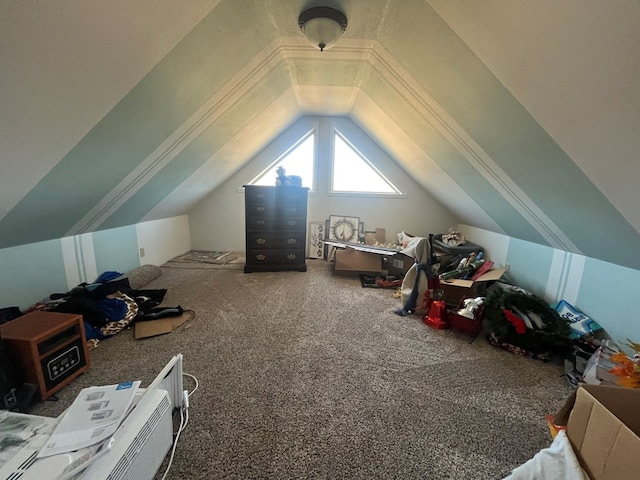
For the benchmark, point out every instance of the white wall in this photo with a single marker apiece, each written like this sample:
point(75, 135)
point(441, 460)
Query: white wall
point(163, 240)
point(217, 223)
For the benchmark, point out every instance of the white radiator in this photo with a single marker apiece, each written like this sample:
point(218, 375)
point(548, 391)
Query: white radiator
point(140, 444)
point(136, 450)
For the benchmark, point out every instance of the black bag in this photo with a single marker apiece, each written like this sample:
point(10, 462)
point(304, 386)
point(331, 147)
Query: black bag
point(15, 395)
point(10, 379)
point(9, 313)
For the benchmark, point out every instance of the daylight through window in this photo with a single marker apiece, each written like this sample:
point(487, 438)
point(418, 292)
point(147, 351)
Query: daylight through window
point(297, 161)
point(353, 173)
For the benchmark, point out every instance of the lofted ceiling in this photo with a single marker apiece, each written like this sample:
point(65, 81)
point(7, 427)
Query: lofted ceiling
point(521, 117)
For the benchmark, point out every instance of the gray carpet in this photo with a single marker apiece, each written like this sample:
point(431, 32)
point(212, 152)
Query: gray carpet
point(308, 375)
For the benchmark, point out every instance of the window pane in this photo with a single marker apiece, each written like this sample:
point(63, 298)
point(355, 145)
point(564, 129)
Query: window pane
point(352, 173)
point(298, 161)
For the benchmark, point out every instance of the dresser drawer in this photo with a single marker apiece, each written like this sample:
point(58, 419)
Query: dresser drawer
point(267, 256)
point(262, 223)
point(257, 195)
point(275, 240)
point(276, 209)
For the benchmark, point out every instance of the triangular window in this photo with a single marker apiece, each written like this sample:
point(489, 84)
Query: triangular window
point(353, 173)
point(298, 160)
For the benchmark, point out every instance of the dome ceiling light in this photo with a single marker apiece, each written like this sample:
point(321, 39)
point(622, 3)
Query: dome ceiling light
point(322, 26)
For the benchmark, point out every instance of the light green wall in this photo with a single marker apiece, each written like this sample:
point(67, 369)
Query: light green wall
point(532, 263)
point(190, 74)
point(30, 273)
point(609, 294)
point(117, 173)
point(469, 92)
point(116, 249)
point(604, 291)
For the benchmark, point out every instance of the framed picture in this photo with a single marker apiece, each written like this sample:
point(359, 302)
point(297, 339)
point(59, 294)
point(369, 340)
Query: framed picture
point(315, 246)
point(326, 235)
point(343, 229)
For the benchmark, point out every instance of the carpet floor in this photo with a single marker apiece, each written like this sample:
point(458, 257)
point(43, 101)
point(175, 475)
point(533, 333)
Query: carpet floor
point(309, 375)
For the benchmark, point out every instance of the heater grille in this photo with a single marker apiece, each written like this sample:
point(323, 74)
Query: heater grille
point(141, 442)
point(20, 471)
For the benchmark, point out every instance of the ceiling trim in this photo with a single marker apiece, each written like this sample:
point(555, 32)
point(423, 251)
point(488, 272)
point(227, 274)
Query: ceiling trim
point(228, 159)
point(224, 99)
point(438, 118)
point(371, 54)
point(374, 120)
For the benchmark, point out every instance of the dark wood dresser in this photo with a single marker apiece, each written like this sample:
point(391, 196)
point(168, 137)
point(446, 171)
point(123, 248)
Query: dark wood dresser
point(276, 228)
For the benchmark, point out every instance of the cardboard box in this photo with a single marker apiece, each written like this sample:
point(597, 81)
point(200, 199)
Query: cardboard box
point(348, 260)
point(456, 289)
point(151, 328)
point(397, 264)
point(603, 426)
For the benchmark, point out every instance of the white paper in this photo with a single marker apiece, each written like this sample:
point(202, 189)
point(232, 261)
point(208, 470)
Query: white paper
point(17, 430)
point(94, 416)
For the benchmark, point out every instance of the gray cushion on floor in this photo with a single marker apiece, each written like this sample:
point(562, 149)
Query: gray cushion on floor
point(139, 277)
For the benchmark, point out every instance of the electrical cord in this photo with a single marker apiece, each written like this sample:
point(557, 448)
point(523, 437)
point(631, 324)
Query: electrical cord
point(189, 394)
point(184, 420)
point(175, 444)
point(195, 380)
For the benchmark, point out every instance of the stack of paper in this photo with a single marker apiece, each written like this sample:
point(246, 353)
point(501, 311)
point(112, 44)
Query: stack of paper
point(93, 417)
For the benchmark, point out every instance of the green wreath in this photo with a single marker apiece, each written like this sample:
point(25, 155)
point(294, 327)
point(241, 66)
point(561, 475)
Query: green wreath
point(503, 320)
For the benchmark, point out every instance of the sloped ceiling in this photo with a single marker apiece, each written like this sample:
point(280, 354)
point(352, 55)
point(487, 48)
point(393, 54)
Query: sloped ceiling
point(520, 116)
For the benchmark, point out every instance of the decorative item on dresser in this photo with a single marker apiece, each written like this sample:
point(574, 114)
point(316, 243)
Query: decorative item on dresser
point(275, 221)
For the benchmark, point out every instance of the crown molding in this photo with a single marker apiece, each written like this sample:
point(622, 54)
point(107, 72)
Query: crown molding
point(372, 55)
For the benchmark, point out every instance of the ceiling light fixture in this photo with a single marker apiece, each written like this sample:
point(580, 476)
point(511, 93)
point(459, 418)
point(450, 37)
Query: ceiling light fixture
point(322, 26)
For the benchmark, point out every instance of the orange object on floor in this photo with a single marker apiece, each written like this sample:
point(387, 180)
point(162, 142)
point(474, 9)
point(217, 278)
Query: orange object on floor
point(437, 315)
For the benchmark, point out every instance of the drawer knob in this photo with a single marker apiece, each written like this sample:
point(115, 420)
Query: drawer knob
point(291, 256)
point(261, 241)
point(260, 209)
point(259, 195)
point(260, 222)
point(260, 257)
point(292, 222)
point(291, 241)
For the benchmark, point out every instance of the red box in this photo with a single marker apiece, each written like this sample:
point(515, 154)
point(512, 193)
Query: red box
point(466, 325)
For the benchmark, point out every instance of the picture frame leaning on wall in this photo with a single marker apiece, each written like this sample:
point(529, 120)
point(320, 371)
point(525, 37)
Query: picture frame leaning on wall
point(315, 246)
point(343, 228)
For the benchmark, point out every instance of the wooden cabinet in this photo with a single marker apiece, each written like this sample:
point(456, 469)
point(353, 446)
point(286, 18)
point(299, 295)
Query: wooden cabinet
point(275, 225)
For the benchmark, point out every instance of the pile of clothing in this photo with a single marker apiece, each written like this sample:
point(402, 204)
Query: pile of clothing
point(109, 305)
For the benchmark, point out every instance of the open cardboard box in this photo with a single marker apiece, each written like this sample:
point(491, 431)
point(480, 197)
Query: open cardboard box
point(457, 289)
point(603, 426)
point(151, 328)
